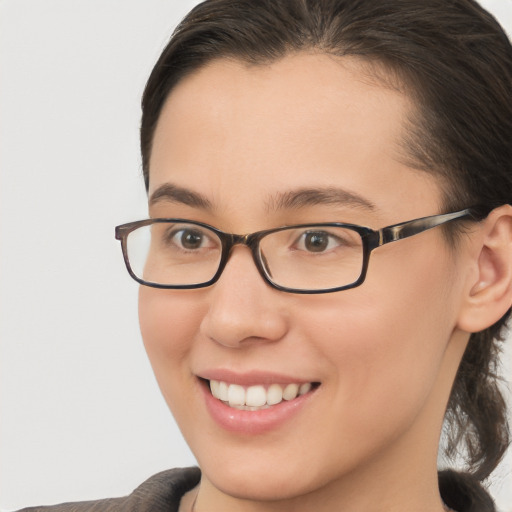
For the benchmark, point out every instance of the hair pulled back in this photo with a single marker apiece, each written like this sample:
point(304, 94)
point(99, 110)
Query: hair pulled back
point(454, 60)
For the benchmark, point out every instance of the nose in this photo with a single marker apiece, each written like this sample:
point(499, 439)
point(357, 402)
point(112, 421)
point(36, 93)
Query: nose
point(243, 308)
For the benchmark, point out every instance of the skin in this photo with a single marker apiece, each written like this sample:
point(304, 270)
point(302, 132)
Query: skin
point(385, 353)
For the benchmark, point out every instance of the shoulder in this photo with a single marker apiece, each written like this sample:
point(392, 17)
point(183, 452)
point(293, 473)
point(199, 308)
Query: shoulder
point(161, 492)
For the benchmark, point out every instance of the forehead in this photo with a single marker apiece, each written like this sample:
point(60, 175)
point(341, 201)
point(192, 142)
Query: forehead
point(307, 120)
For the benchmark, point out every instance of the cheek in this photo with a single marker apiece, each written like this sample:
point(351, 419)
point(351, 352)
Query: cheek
point(167, 316)
point(162, 321)
point(386, 341)
point(168, 322)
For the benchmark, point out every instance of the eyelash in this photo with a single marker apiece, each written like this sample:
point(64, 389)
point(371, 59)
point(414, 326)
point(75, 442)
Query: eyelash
point(338, 242)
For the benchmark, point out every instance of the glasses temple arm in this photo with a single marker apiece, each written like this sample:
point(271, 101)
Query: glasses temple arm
point(414, 227)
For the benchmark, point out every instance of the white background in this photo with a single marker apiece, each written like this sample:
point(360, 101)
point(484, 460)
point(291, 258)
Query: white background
point(81, 415)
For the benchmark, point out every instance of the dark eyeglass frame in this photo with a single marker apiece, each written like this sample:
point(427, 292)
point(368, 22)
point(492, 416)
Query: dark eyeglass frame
point(371, 239)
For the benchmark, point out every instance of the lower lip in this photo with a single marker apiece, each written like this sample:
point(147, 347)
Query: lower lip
point(253, 422)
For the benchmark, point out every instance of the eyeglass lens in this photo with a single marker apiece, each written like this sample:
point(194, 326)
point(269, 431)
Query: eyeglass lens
point(306, 258)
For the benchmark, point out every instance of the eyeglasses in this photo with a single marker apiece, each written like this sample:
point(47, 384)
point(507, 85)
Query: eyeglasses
point(306, 258)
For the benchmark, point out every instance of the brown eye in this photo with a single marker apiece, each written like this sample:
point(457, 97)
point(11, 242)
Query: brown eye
point(322, 241)
point(189, 239)
point(316, 242)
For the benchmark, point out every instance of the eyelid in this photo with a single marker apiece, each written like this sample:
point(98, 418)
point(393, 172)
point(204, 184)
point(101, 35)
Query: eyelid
point(300, 239)
point(173, 230)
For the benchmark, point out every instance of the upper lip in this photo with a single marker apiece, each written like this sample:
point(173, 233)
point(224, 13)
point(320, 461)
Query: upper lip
point(251, 378)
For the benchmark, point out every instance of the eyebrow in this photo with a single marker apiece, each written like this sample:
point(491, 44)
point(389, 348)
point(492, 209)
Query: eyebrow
point(174, 194)
point(303, 197)
point(291, 200)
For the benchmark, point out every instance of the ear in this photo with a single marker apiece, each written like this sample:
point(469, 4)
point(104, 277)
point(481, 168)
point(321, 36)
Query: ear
point(488, 293)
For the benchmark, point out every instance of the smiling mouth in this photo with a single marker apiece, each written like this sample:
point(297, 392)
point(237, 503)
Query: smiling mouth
point(258, 397)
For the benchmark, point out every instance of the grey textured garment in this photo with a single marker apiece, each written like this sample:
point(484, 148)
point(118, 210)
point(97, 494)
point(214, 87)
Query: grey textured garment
point(162, 492)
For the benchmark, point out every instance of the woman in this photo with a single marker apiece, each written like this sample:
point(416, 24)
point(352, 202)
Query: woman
point(303, 372)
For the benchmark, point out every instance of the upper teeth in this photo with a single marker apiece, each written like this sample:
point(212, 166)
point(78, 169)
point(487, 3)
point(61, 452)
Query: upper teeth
point(256, 396)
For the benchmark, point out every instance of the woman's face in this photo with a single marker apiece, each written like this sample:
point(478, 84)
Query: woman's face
point(243, 140)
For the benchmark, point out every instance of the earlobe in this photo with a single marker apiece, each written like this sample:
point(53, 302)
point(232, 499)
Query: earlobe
point(489, 293)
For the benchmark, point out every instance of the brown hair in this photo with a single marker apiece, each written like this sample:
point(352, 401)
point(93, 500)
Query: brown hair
point(453, 58)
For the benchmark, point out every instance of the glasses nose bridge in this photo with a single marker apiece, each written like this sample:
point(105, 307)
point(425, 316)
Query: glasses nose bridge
point(250, 240)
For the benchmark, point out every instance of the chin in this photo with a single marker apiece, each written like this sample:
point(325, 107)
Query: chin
point(269, 483)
